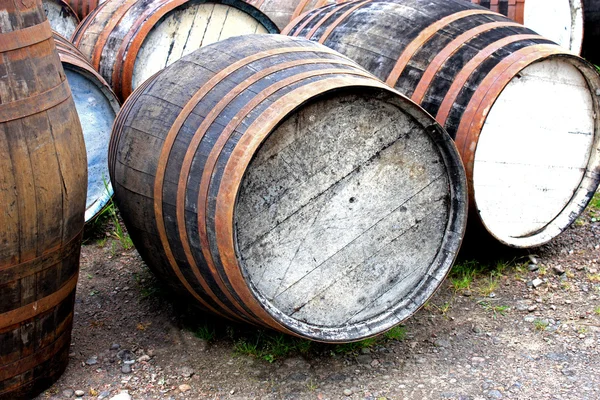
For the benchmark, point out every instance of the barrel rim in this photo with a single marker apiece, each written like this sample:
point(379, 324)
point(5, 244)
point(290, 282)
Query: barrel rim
point(590, 181)
point(438, 269)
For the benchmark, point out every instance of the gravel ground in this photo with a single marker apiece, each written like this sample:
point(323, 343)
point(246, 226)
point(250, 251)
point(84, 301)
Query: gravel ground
point(528, 327)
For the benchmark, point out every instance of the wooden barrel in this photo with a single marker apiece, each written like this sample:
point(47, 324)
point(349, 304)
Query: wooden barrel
point(129, 41)
point(42, 192)
point(83, 7)
point(97, 107)
point(522, 111)
point(591, 38)
point(282, 12)
point(61, 16)
point(278, 183)
point(558, 20)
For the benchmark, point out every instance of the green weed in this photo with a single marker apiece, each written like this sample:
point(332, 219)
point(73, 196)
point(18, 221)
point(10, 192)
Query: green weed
point(494, 309)
point(597, 310)
point(396, 333)
point(540, 325)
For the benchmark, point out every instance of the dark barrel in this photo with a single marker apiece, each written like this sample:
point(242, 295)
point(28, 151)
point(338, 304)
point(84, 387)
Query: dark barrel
point(558, 20)
point(128, 41)
point(61, 16)
point(42, 192)
point(591, 38)
point(523, 112)
point(282, 12)
point(97, 107)
point(276, 182)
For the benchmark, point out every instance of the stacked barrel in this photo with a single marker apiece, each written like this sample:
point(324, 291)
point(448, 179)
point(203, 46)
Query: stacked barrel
point(523, 111)
point(42, 192)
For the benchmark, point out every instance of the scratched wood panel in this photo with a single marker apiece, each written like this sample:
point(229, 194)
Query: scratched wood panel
point(127, 42)
point(591, 37)
point(561, 21)
point(97, 107)
point(466, 66)
point(332, 207)
point(42, 190)
point(351, 179)
point(61, 16)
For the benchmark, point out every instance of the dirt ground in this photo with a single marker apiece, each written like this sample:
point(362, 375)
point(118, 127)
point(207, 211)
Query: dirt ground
point(493, 336)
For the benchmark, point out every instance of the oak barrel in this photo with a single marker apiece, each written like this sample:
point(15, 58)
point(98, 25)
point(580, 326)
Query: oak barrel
point(83, 7)
point(129, 41)
point(591, 37)
point(42, 192)
point(558, 20)
point(523, 112)
point(61, 16)
point(97, 107)
point(282, 12)
point(276, 182)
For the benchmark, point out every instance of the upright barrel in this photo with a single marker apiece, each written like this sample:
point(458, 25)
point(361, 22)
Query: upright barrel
point(61, 16)
point(591, 38)
point(97, 107)
point(42, 192)
point(129, 41)
point(559, 20)
point(282, 12)
point(276, 182)
point(523, 112)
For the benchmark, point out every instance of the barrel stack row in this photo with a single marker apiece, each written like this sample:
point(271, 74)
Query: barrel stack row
point(310, 182)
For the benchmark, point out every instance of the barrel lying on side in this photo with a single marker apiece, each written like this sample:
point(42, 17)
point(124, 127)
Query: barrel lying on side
point(522, 111)
point(591, 37)
point(61, 16)
point(42, 193)
point(278, 183)
point(282, 12)
point(97, 107)
point(558, 20)
point(129, 41)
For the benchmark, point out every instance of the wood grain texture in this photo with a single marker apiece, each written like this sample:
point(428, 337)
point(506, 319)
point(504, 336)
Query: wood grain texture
point(252, 167)
point(42, 190)
point(456, 59)
point(282, 12)
point(561, 21)
point(61, 16)
point(128, 41)
point(97, 106)
point(591, 37)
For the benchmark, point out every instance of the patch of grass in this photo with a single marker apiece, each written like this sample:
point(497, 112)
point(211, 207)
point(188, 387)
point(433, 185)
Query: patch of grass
point(312, 386)
point(270, 346)
point(595, 203)
point(582, 330)
point(494, 309)
point(396, 333)
point(540, 325)
point(597, 310)
point(110, 212)
point(205, 332)
point(542, 271)
point(349, 348)
point(489, 286)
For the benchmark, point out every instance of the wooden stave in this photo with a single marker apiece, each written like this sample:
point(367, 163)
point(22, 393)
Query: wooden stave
point(84, 7)
point(117, 68)
point(321, 25)
point(143, 227)
point(591, 37)
point(66, 12)
point(282, 12)
point(47, 316)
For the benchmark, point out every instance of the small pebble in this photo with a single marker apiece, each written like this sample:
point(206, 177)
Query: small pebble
point(494, 394)
point(103, 395)
point(126, 368)
point(143, 358)
point(124, 395)
point(537, 282)
point(79, 393)
point(92, 361)
point(187, 372)
point(185, 388)
point(558, 270)
point(115, 346)
point(68, 393)
point(347, 392)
